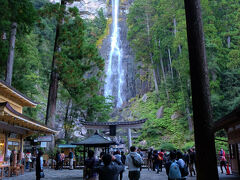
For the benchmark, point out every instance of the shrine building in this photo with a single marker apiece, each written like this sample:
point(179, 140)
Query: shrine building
point(14, 125)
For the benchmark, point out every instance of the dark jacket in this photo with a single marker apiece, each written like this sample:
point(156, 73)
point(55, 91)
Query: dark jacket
point(90, 165)
point(70, 155)
point(58, 157)
point(192, 157)
point(39, 166)
point(110, 172)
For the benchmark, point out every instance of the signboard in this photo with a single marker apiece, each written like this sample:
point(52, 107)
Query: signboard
point(43, 144)
point(12, 135)
point(44, 139)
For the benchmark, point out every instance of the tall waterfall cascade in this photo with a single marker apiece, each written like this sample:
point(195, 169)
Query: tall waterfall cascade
point(114, 69)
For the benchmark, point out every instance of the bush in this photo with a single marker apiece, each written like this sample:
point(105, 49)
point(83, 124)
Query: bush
point(188, 145)
point(168, 146)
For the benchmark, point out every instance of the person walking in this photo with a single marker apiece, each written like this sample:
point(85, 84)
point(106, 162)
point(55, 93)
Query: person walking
point(156, 161)
point(58, 160)
point(160, 158)
point(62, 159)
point(172, 167)
point(90, 165)
point(186, 158)
point(132, 161)
point(222, 160)
point(181, 164)
point(70, 156)
point(123, 158)
point(39, 166)
point(111, 168)
point(28, 159)
point(149, 160)
point(191, 161)
point(119, 159)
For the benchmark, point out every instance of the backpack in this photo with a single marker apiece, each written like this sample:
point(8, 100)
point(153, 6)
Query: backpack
point(184, 170)
point(136, 163)
point(174, 171)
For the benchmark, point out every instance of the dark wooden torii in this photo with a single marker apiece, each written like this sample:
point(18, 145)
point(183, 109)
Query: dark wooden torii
point(113, 125)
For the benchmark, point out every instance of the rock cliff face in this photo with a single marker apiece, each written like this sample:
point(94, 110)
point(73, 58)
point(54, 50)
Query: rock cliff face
point(89, 8)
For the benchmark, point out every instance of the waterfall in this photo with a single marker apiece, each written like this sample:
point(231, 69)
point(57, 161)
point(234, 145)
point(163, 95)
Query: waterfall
point(114, 71)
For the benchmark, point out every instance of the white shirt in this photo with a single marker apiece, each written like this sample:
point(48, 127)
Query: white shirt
point(129, 161)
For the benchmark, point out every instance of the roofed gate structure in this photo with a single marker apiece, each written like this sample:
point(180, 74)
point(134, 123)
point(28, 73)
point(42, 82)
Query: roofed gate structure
point(112, 126)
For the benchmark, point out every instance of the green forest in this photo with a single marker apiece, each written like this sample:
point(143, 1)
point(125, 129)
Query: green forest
point(161, 24)
point(55, 45)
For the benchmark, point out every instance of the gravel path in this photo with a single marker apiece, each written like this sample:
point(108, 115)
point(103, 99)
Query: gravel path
point(77, 174)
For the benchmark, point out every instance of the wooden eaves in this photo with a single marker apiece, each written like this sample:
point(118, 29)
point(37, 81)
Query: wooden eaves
point(14, 118)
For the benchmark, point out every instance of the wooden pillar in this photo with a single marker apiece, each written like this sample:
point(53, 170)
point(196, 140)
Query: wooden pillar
point(202, 114)
point(84, 155)
point(6, 147)
point(21, 144)
point(129, 138)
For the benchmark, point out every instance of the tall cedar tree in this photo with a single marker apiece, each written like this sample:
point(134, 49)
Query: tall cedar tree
point(16, 16)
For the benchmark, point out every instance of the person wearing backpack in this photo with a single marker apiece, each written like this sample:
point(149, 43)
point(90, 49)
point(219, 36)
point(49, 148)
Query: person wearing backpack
point(160, 157)
point(172, 167)
point(156, 160)
point(182, 165)
point(134, 161)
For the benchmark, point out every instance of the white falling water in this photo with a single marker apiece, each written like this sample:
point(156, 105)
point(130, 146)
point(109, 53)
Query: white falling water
point(114, 71)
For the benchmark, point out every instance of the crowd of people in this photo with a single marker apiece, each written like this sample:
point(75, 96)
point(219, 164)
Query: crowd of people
point(178, 165)
point(60, 159)
point(111, 166)
point(108, 166)
point(31, 160)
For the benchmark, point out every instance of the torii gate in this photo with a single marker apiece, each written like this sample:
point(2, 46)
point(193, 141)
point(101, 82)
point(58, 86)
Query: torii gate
point(112, 126)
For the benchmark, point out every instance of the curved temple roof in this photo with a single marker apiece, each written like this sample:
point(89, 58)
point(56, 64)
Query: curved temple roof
point(105, 125)
point(10, 92)
point(10, 116)
point(95, 140)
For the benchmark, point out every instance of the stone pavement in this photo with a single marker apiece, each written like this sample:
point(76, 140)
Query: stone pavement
point(77, 174)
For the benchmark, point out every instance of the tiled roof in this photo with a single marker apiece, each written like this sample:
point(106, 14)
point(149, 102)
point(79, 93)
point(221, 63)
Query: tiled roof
point(25, 118)
point(12, 91)
point(95, 140)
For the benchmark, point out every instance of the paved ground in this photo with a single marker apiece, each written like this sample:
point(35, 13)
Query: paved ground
point(66, 174)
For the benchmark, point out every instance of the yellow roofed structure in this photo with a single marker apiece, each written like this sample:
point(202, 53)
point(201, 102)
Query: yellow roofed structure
point(11, 107)
point(14, 126)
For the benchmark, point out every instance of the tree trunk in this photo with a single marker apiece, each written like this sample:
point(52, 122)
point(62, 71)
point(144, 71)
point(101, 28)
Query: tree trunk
point(151, 57)
point(180, 49)
point(154, 74)
point(229, 41)
point(66, 119)
point(10, 62)
point(175, 27)
point(170, 62)
point(202, 114)
point(190, 124)
point(53, 88)
point(163, 71)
